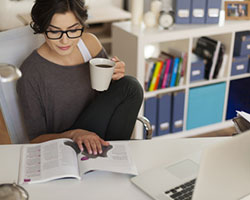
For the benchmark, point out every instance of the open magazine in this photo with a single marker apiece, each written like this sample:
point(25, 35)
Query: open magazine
point(242, 121)
point(61, 158)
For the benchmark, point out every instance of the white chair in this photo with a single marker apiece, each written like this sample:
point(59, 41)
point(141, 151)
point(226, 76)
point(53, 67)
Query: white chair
point(16, 45)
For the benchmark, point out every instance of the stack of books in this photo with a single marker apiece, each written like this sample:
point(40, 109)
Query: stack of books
point(167, 70)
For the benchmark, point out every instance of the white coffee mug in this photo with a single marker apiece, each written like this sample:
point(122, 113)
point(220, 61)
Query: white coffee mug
point(101, 71)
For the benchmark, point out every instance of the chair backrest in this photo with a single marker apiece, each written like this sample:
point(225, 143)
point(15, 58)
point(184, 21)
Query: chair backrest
point(15, 46)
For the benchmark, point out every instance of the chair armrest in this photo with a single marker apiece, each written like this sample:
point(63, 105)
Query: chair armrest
point(147, 125)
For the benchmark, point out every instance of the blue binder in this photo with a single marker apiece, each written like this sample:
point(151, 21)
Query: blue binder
point(213, 11)
point(178, 100)
point(198, 9)
point(242, 43)
point(182, 11)
point(150, 111)
point(164, 114)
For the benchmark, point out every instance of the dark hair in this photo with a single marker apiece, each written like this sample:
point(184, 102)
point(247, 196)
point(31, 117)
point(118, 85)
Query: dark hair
point(43, 11)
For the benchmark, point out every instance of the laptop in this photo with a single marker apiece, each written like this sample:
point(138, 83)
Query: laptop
point(220, 172)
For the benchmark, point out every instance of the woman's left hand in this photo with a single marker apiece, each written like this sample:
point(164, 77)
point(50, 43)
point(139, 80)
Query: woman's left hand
point(119, 70)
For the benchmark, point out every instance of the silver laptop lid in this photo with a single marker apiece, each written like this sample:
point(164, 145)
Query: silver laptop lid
point(225, 170)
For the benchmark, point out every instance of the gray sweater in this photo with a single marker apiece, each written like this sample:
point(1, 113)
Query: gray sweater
point(53, 96)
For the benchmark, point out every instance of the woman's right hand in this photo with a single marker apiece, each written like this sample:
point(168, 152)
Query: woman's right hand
point(92, 142)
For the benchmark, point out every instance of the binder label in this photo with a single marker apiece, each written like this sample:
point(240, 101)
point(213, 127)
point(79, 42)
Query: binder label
point(213, 12)
point(153, 127)
point(178, 123)
point(198, 13)
point(240, 67)
point(164, 126)
point(196, 72)
point(248, 46)
point(183, 13)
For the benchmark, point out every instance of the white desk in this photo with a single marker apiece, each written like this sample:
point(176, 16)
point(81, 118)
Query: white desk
point(103, 185)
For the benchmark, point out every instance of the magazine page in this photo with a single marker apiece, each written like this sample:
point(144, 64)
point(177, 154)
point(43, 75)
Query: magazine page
point(47, 161)
point(114, 158)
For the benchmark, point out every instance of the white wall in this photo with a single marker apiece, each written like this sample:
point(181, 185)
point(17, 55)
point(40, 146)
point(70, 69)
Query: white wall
point(9, 11)
point(118, 3)
point(147, 3)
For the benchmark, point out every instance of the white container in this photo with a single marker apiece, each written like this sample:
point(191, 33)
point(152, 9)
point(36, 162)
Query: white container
point(137, 12)
point(156, 7)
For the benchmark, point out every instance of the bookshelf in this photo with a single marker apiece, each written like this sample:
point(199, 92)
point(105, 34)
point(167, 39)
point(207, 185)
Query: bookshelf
point(129, 42)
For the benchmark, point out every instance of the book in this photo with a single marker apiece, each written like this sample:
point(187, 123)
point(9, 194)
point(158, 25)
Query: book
point(155, 75)
point(164, 82)
point(158, 75)
point(214, 60)
point(61, 158)
point(241, 121)
point(219, 61)
point(175, 70)
point(162, 74)
point(170, 71)
point(183, 69)
point(206, 48)
point(178, 77)
point(150, 65)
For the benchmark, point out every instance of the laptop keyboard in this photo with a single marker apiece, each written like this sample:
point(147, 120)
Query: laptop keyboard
point(182, 192)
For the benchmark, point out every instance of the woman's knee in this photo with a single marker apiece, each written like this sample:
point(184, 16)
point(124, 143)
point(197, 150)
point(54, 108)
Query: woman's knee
point(133, 87)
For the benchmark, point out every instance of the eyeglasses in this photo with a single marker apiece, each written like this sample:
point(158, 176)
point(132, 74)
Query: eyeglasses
point(72, 34)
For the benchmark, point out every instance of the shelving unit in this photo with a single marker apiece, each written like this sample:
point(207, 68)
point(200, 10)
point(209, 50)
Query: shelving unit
point(128, 43)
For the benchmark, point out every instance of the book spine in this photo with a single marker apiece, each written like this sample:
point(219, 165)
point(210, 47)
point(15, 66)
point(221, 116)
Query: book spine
point(183, 70)
point(184, 65)
point(150, 77)
point(158, 76)
point(179, 72)
point(164, 82)
point(174, 73)
point(214, 60)
point(156, 71)
point(162, 74)
point(170, 72)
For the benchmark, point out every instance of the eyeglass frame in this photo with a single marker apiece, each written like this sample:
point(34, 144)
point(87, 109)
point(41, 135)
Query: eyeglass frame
point(63, 32)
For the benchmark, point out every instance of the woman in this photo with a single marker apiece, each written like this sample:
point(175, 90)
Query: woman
point(55, 89)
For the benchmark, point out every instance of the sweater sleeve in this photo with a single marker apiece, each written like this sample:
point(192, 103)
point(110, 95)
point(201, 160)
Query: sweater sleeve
point(28, 87)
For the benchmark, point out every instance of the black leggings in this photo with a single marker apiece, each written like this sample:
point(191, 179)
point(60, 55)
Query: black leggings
point(112, 114)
